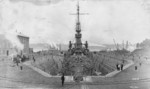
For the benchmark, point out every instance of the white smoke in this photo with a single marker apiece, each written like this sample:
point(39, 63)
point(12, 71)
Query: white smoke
point(54, 45)
point(13, 38)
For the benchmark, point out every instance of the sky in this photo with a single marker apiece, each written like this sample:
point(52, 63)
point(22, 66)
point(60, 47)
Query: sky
point(50, 21)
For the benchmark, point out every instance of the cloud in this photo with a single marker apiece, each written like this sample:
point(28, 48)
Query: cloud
point(118, 19)
point(122, 20)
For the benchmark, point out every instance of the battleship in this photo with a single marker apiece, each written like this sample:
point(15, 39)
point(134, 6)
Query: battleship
point(83, 68)
point(78, 59)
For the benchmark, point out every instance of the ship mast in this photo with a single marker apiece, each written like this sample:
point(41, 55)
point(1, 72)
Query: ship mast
point(78, 34)
point(78, 45)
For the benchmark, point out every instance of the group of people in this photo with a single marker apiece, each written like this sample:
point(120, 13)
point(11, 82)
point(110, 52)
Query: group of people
point(17, 59)
point(136, 66)
point(119, 66)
